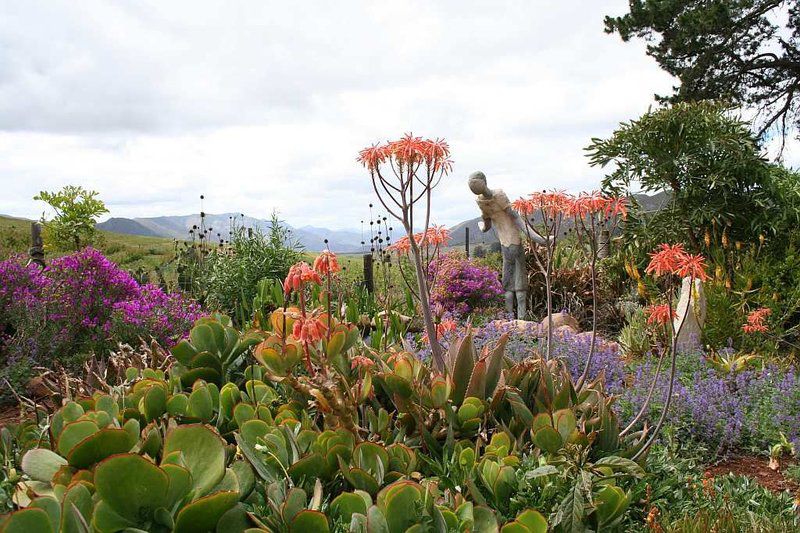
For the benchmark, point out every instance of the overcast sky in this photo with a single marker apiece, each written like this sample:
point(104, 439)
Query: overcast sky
point(264, 105)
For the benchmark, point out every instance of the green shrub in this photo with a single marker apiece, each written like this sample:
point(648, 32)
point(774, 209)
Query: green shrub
point(226, 278)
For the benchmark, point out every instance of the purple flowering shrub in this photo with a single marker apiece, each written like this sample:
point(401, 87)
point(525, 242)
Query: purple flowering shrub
point(727, 411)
point(80, 304)
point(461, 285)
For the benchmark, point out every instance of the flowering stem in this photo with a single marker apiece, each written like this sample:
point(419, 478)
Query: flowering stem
point(305, 343)
point(593, 269)
point(430, 327)
point(674, 354)
point(646, 402)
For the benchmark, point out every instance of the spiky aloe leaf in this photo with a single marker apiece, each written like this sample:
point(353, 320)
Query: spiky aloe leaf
point(462, 359)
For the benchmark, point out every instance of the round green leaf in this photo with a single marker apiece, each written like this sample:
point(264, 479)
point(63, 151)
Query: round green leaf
point(203, 454)
point(204, 513)
point(98, 446)
point(131, 485)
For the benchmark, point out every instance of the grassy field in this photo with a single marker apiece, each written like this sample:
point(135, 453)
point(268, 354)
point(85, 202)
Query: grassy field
point(132, 252)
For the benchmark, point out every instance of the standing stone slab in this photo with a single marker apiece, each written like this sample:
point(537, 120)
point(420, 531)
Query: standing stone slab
point(689, 325)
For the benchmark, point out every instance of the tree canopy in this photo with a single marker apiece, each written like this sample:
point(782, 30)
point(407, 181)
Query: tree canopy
point(741, 51)
point(708, 160)
point(76, 211)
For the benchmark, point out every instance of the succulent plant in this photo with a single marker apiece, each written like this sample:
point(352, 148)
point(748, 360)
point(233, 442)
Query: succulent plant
point(213, 350)
point(118, 489)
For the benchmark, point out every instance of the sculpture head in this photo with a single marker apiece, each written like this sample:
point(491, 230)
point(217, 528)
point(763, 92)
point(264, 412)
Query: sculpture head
point(477, 183)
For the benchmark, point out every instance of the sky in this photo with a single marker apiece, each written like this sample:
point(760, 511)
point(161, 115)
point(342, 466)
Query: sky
point(264, 105)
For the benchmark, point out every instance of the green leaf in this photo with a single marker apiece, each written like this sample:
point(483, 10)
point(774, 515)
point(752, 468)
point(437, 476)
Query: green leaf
point(548, 439)
point(204, 513)
point(42, 464)
point(203, 452)
point(462, 356)
point(76, 509)
point(51, 506)
point(183, 352)
point(307, 521)
point(533, 520)
point(73, 433)
point(29, 520)
point(572, 511)
point(132, 486)
point(542, 471)
point(347, 503)
point(622, 464)
point(98, 446)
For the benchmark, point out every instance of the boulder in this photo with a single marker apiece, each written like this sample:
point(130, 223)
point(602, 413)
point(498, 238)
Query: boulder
point(525, 327)
point(559, 320)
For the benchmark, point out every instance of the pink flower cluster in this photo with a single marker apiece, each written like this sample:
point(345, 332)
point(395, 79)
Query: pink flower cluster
point(460, 285)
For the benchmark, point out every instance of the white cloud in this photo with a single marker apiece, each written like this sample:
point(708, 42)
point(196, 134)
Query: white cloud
point(264, 105)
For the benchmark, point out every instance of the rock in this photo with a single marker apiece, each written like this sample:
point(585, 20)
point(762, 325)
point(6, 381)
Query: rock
point(525, 327)
point(691, 315)
point(599, 342)
point(37, 388)
point(559, 320)
point(564, 331)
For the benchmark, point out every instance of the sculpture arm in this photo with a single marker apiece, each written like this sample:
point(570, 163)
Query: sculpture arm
point(529, 231)
point(485, 224)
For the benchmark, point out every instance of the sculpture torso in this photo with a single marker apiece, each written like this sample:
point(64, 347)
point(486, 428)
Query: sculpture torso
point(495, 208)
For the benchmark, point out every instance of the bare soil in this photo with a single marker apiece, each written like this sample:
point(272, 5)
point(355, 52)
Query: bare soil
point(758, 469)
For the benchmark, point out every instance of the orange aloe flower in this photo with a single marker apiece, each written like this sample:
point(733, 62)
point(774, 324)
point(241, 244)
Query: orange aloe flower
point(436, 236)
point(660, 314)
point(755, 321)
point(402, 246)
point(409, 151)
point(617, 206)
point(693, 266)
point(309, 330)
point(666, 259)
point(300, 274)
point(523, 206)
point(326, 263)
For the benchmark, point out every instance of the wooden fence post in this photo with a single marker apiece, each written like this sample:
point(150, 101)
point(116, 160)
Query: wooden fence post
point(369, 279)
point(36, 251)
point(466, 241)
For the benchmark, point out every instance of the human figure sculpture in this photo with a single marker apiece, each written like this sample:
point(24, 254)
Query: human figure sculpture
point(497, 213)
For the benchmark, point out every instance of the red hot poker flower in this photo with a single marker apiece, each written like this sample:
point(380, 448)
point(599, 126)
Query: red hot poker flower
point(326, 263)
point(300, 274)
point(660, 314)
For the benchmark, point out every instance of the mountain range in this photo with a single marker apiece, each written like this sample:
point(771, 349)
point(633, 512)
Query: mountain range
point(219, 226)
point(309, 237)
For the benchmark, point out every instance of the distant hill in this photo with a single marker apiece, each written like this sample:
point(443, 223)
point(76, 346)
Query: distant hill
point(127, 226)
point(219, 225)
